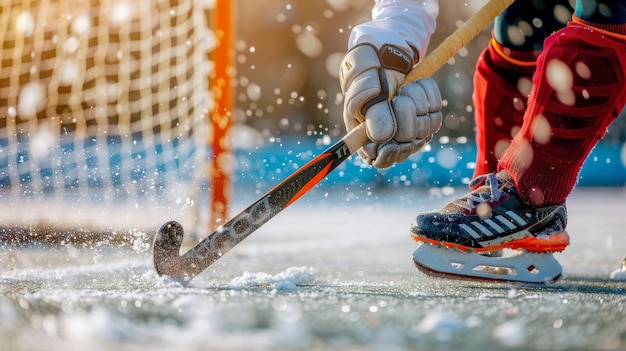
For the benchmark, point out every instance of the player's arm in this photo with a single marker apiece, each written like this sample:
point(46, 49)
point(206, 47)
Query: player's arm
point(380, 54)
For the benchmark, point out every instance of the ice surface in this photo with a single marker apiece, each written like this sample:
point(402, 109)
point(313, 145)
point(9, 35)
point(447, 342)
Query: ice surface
point(332, 272)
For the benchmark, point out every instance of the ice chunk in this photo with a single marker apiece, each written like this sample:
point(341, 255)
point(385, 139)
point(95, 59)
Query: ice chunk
point(620, 274)
point(288, 280)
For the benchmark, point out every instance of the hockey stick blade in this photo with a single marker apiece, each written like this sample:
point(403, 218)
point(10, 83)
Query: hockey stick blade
point(166, 247)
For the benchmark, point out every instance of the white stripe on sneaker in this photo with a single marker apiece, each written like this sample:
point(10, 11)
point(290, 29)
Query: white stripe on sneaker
point(470, 231)
point(483, 229)
point(517, 218)
point(494, 225)
point(506, 222)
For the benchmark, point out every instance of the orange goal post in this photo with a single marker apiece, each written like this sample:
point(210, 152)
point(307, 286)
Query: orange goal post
point(109, 123)
point(222, 88)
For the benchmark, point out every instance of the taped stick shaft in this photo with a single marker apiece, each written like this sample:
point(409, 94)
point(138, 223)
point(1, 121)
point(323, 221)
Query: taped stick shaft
point(457, 40)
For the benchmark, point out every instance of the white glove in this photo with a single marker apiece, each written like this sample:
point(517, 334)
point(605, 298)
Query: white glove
point(396, 127)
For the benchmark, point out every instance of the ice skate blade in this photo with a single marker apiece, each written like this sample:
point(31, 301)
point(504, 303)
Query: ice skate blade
point(524, 267)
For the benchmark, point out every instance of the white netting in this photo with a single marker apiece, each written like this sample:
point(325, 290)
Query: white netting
point(102, 104)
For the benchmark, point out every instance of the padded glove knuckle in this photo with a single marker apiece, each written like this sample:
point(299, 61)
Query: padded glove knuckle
point(387, 155)
point(424, 128)
point(380, 122)
point(416, 93)
point(436, 120)
point(368, 152)
point(433, 95)
point(405, 111)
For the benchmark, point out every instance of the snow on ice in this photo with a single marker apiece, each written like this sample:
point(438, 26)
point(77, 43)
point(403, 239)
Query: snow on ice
point(288, 280)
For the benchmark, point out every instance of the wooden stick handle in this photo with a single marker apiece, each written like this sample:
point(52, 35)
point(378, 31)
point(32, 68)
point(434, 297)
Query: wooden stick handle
point(457, 40)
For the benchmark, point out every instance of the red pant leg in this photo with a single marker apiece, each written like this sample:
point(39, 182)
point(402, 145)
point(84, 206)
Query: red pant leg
point(578, 90)
point(501, 86)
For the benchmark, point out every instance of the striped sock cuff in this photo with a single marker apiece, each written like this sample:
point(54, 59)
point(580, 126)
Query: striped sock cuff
point(516, 57)
point(616, 31)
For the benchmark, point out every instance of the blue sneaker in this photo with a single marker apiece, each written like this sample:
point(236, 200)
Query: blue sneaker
point(493, 217)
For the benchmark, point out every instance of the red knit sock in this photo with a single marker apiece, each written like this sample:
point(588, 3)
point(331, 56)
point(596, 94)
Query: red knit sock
point(502, 83)
point(578, 90)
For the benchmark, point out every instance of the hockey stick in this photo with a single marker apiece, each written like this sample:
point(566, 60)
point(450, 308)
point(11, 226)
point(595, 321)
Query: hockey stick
point(166, 247)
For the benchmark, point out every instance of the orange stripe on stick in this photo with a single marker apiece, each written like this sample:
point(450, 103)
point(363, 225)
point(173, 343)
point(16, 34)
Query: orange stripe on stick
point(313, 182)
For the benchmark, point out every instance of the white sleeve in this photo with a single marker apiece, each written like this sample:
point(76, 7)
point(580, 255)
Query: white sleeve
point(403, 23)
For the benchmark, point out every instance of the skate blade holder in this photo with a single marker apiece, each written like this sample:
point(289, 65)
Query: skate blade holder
point(516, 266)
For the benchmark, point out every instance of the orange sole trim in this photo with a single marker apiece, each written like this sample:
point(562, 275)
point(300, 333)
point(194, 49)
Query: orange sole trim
point(553, 243)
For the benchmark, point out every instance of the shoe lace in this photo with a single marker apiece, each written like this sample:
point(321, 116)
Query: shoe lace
point(488, 188)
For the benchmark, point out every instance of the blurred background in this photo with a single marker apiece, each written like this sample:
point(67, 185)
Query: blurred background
point(85, 118)
point(288, 54)
point(288, 58)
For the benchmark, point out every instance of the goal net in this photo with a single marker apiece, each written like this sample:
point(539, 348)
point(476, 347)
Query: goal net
point(103, 108)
